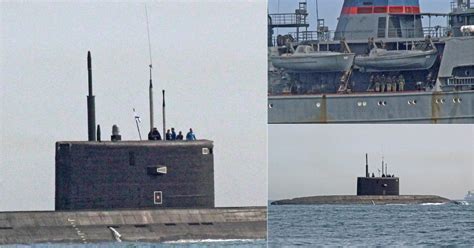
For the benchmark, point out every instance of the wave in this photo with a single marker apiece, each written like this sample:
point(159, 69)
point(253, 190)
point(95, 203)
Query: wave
point(462, 203)
point(433, 203)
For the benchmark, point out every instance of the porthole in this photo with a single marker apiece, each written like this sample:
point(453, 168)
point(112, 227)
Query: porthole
point(318, 104)
point(270, 105)
point(384, 103)
point(364, 104)
point(379, 103)
point(409, 102)
point(414, 101)
point(442, 101)
point(359, 104)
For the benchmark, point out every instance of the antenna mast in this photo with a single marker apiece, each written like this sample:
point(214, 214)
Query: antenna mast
point(150, 89)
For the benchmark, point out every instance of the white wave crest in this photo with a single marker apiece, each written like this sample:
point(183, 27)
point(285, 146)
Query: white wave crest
point(433, 203)
point(181, 241)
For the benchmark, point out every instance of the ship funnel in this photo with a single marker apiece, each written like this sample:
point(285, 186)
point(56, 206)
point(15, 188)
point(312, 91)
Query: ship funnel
point(90, 102)
point(366, 165)
point(360, 20)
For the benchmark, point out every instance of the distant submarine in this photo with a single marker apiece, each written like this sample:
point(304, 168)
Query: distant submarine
point(150, 191)
point(370, 190)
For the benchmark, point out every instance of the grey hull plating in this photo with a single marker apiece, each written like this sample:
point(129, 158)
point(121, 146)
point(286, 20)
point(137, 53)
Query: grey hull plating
point(396, 61)
point(315, 62)
point(416, 107)
point(132, 225)
point(363, 199)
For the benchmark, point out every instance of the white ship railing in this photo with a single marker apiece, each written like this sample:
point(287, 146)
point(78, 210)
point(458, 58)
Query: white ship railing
point(458, 81)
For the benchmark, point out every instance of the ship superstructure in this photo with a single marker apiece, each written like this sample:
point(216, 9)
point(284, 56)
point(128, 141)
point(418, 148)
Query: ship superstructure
point(402, 72)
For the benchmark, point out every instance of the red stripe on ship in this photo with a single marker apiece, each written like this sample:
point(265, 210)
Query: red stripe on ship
point(381, 10)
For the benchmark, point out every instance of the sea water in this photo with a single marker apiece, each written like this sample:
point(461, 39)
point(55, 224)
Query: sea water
point(371, 225)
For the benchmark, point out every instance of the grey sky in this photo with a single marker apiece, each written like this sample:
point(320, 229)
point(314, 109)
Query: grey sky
point(330, 10)
point(215, 82)
point(307, 160)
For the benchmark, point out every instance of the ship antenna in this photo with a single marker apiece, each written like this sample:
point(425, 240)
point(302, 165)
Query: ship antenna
point(150, 89)
point(90, 102)
point(137, 121)
point(382, 165)
point(366, 165)
point(317, 15)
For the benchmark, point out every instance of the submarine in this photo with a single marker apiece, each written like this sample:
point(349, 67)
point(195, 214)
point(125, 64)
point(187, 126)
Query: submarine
point(380, 190)
point(132, 191)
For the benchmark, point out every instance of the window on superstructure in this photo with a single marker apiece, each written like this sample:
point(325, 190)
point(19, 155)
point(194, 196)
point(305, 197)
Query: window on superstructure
point(394, 27)
point(381, 27)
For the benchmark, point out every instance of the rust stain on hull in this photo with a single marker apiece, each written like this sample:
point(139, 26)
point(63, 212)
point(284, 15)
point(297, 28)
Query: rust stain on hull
point(436, 97)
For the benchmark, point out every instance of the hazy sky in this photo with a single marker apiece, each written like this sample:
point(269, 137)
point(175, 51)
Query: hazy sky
point(209, 56)
point(329, 10)
point(306, 160)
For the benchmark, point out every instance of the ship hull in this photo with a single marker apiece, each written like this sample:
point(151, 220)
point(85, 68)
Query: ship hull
point(413, 107)
point(366, 199)
point(324, 62)
point(132, 225)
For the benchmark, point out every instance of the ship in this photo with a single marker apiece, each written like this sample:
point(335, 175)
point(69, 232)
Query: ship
point(470, 196)
point(382, 189)
point(403, 72)
point(132, 191)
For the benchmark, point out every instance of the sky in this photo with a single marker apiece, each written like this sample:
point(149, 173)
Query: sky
point(308, 160)
point(215, 83)
point(329, 10)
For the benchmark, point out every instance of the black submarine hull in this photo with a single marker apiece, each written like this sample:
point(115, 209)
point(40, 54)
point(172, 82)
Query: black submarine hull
point(157, 225)
point(363, 199)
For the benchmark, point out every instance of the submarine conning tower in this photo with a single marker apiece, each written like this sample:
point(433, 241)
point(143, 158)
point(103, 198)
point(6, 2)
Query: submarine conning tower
point(363, 19)
point(116, 174)
point(381, 185)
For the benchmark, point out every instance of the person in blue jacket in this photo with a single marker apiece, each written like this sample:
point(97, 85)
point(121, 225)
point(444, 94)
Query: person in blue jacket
point(173, 134)
point(190, 135)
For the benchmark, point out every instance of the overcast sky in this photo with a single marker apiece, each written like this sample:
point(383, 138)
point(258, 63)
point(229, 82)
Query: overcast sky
point(209, 56)
point(329, 10)
point(307, 160)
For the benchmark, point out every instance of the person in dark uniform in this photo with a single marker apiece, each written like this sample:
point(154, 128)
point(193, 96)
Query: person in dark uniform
point(154, 134)
point(168, 135)
point(173, 134)
point(180, 136)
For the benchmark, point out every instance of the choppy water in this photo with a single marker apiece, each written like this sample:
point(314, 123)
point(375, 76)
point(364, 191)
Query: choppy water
point(369, 225)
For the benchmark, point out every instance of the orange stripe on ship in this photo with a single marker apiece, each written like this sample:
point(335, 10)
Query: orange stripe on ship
point(381, 10)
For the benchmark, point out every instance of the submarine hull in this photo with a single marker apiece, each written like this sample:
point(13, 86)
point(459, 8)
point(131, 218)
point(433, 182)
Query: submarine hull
point(157, 225)
point(363, 199)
